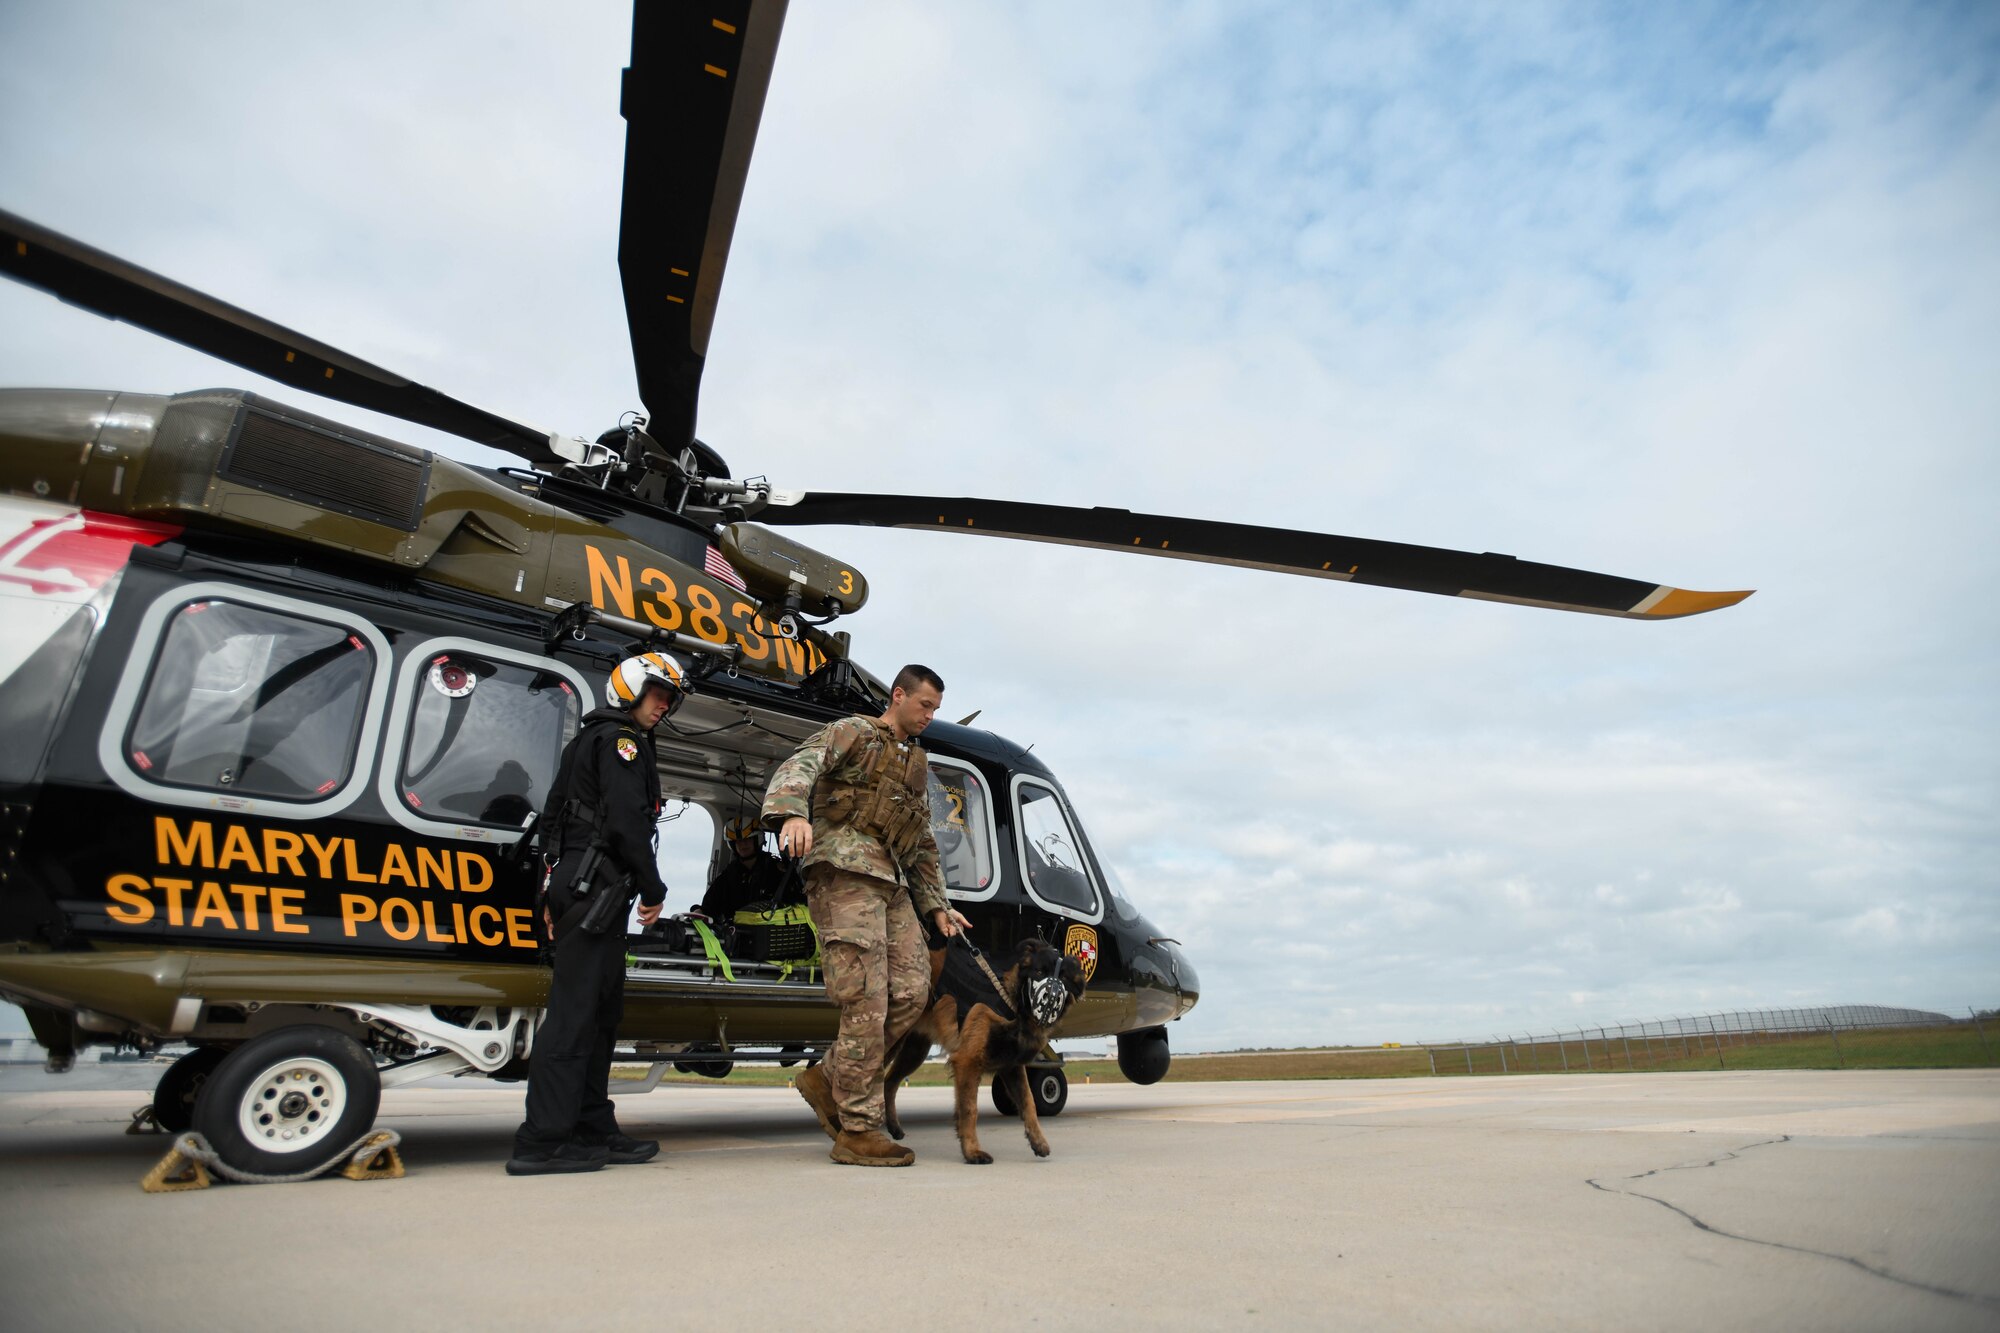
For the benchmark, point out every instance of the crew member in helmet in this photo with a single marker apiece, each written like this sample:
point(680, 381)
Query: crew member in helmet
point(605, 799)
point(753, 875)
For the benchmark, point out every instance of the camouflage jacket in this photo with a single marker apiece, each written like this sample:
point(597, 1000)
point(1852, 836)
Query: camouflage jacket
point(839, 752)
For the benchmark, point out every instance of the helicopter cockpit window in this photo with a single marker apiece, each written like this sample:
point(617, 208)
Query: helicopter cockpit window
point(1121, 903)
point(960, 821)
point(252, 702)
point(484, 740)
point(1050, 848)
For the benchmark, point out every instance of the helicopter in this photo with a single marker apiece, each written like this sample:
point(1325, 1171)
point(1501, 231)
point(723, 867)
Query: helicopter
point(283, 696)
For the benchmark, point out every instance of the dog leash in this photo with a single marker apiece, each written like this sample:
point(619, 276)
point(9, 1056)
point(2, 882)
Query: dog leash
point(980, 958)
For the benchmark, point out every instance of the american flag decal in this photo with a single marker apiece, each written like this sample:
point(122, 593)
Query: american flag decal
point(716, 566)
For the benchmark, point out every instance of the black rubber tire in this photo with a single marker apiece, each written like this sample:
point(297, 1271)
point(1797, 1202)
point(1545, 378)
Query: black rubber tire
point(1050, 1089)
point(1143, 1056)
point(333, 1071)
point(1003, 1096)
point(174, 1096)
point(705, 1068)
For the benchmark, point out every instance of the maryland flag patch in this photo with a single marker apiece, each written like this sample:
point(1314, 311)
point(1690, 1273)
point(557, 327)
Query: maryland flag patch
point(1081, 944)
point(628, 749)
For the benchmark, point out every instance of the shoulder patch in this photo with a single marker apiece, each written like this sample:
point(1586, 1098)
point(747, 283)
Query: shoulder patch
point(628, 749)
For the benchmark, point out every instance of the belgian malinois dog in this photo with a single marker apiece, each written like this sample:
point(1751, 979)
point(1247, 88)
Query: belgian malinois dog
point(984, 1032)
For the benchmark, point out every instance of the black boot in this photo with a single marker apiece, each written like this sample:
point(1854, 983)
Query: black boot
point(562, 1159)
point(627, 1151)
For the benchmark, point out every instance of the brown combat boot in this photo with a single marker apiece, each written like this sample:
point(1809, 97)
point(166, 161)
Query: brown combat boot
point(870, 1147)
point(818, 1091)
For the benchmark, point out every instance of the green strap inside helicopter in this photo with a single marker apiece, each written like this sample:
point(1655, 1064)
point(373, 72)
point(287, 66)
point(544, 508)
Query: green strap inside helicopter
point(712, 948)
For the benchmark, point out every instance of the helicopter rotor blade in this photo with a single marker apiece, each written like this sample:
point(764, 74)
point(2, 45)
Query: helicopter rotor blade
point(108, 286)
point(1486, 576)
point(692, 100)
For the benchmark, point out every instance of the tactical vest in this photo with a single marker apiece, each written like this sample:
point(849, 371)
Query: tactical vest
point(889, 799)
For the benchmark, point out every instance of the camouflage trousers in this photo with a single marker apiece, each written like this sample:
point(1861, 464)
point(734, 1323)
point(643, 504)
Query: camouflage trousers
point(877, 971)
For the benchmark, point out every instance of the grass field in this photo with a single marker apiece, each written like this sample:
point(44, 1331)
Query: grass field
point(1958, 1046)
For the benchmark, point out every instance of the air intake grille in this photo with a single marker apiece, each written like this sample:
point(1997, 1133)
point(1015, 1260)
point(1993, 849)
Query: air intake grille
point(304, 460)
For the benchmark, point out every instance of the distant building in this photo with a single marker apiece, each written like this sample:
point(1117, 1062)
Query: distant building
point(21, 1051)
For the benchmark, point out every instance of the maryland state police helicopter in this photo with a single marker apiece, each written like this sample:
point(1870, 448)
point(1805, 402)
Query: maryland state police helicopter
point(282, 697)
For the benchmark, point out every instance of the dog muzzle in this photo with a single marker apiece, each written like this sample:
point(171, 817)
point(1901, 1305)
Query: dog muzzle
point(1047, 997)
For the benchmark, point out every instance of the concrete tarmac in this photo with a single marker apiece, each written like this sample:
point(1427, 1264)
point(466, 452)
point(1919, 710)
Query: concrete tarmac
point(1789, 1200)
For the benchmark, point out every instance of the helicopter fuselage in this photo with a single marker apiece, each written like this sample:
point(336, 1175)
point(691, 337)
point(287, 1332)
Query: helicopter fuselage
point(263, 760)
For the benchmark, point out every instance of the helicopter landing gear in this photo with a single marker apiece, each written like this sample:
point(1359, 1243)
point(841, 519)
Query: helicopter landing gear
point(174, 1097)
point(1047, 1084)
point(290, 1101)
point(1050, 1089)
point(706, 1068)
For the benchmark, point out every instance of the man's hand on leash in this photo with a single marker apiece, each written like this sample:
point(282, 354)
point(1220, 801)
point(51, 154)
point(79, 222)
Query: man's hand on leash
point(950, 921)
point(795, 838)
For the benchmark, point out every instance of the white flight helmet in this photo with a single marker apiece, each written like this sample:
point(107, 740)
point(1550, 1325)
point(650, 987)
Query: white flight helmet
point(629, 678)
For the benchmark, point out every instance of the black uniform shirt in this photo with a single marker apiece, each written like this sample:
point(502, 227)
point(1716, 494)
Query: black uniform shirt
point(610, 768)
point(738, 885)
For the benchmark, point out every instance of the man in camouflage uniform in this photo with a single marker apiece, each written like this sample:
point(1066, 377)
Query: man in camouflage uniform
point(854, 802)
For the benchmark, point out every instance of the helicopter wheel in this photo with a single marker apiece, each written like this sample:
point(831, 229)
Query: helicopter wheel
point(289, 1101)
point(174, 1097)
point(790, 1056)
point(1050, 1089)
point(706, 1068)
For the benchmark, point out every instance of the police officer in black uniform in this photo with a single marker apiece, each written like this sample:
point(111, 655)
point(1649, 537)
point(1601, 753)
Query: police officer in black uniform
point(601, 812)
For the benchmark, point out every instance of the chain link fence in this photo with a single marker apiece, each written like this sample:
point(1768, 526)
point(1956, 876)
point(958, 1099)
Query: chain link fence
point(1703, 1040)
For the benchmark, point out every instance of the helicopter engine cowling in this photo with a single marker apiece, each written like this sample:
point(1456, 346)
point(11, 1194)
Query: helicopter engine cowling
point(789, 576)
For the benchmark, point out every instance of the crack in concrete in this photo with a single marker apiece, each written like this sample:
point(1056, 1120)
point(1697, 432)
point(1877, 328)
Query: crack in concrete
point(1952, 1293)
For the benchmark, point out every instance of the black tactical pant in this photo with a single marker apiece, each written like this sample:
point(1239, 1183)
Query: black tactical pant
point(570, 1069)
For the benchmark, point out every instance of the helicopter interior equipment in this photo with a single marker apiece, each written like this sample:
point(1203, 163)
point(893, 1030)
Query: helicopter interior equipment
point(282, 696)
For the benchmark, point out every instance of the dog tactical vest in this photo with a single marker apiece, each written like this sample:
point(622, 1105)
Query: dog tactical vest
point(889, 797)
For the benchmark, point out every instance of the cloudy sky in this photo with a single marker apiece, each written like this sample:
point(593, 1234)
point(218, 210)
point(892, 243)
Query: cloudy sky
point(1696, 294)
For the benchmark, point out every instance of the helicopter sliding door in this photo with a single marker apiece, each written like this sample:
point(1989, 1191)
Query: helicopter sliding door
point(307, 776)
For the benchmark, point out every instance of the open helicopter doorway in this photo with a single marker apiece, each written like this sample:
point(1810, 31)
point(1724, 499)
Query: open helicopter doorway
point(687, 838)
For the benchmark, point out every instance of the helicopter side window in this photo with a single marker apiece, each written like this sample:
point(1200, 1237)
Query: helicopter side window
point(252, 702)
point(1049, 846)
point(960, 821)
point(484, 740)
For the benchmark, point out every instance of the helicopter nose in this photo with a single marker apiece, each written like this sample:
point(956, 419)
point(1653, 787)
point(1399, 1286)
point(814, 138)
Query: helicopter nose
point(1187, 983)
point(1172, 976)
